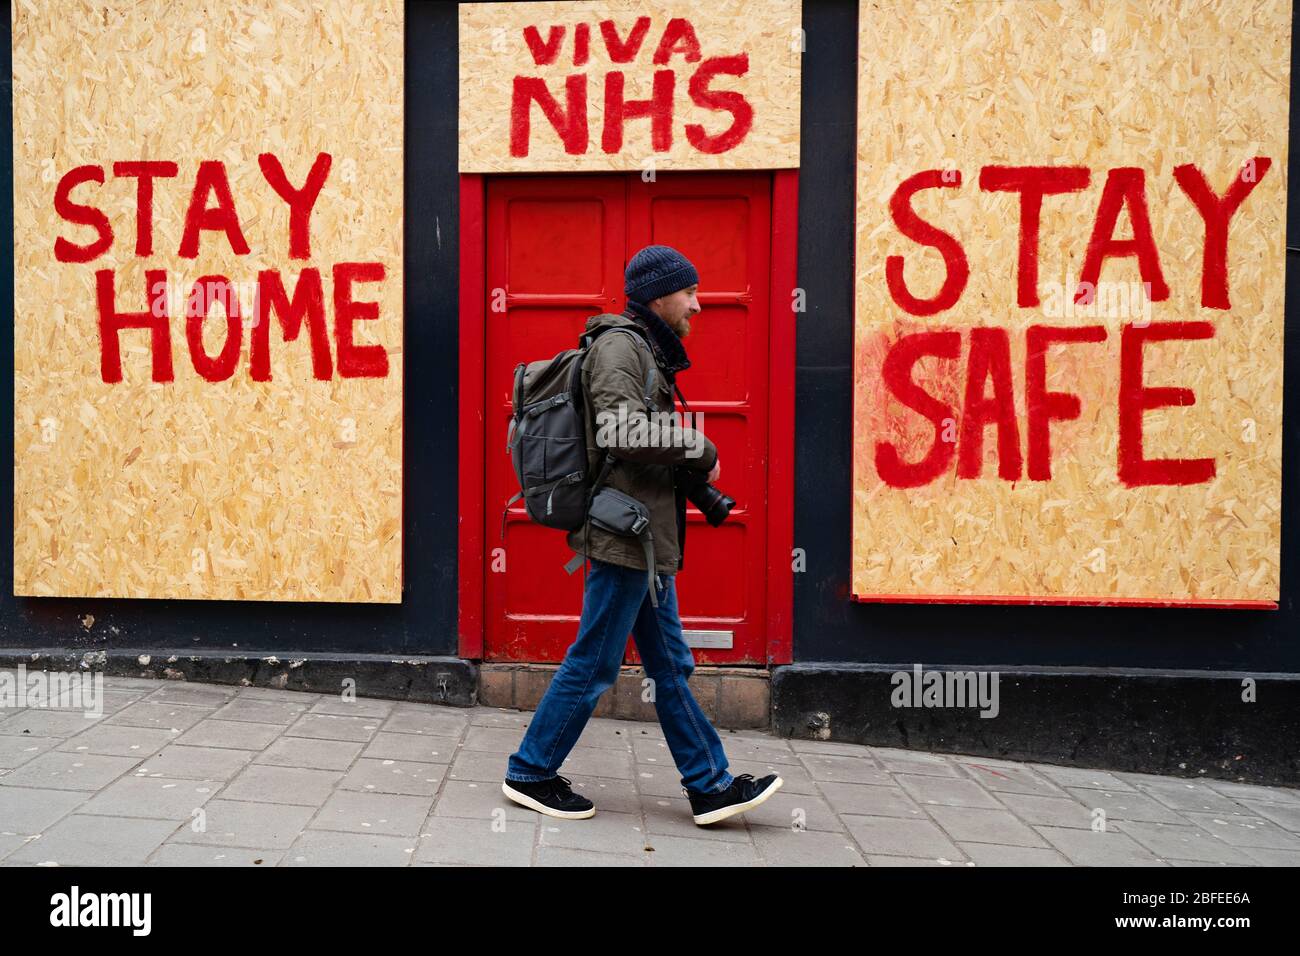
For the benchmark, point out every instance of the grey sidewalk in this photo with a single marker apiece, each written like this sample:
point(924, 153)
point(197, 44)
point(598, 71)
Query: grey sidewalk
point(203, 774)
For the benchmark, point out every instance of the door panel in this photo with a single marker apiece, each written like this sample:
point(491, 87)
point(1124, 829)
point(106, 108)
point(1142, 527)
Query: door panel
point(556, 250)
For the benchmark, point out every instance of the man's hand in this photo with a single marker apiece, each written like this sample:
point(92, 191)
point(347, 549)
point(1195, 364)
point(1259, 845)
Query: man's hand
point(717, 470)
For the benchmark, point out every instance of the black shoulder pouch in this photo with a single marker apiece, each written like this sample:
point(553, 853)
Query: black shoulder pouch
point(619, 513)
point(622, 514)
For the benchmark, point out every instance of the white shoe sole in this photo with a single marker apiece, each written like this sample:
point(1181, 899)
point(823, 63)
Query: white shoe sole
point(713, 816)
point(525, 800)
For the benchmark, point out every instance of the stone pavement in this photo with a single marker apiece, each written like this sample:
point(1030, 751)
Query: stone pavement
point(185, 774)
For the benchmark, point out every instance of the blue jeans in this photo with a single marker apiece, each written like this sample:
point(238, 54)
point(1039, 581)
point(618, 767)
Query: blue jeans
point(616, 601)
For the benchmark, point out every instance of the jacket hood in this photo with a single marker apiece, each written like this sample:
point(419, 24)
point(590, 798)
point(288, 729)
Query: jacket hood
point(608, 320)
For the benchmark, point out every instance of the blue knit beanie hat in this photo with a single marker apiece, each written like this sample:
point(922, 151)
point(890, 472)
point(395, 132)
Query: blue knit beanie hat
point(656, 271)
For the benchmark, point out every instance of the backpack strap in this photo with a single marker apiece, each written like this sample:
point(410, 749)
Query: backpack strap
point(550, 486)
point(515, 418)
point(531, 490)
point(652, 373)
point(680, 397)
point(652, 579)
point(506, 510)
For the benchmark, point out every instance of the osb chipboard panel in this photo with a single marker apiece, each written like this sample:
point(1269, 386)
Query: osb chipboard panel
point(958, 88)
point(721, 80)
point(206, 482)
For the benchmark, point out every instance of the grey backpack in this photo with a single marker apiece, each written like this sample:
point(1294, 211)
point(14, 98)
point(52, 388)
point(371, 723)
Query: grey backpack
point(547, 443)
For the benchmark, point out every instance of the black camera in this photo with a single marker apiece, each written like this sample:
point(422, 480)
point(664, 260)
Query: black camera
point(714, 505)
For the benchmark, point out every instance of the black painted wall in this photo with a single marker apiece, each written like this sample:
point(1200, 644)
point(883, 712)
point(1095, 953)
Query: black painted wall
point(425, 621)
point(828, 627)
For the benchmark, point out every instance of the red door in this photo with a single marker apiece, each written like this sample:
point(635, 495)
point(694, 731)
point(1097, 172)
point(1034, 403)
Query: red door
point(556, 248)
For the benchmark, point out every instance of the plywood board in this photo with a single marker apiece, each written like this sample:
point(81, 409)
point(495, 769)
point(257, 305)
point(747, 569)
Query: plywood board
point(206, 480)
point(539, 85)
point(1148, 496)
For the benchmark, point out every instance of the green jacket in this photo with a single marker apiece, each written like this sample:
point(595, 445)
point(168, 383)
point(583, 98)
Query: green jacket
point(646, 448)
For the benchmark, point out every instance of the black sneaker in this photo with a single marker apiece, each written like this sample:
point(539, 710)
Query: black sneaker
point(745, 793)
point(552, 797)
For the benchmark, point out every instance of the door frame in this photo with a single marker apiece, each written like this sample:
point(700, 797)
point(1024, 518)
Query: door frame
point(471, 539)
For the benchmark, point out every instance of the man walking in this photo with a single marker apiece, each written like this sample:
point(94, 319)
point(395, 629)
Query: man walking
point(660, 284)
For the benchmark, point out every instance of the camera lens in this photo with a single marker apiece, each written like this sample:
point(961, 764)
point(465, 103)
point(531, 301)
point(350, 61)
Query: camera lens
point(713, 504)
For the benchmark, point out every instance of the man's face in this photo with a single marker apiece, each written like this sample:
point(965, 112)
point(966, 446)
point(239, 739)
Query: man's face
point(676, 309)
